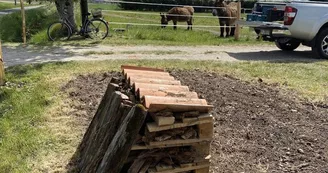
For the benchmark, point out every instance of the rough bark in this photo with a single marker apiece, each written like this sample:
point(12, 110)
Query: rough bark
point(105, 137)
point(65, 9)
point(94, 126)
point(120, 147)
point(107, 125)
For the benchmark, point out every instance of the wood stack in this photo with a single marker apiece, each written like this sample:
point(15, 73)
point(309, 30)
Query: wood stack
point(177, 134)
point(174, 135)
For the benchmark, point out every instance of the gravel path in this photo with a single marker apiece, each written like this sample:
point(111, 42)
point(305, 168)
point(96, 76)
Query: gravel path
point(14, 55)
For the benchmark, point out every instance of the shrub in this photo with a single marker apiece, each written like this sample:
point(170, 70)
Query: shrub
point(36, 20)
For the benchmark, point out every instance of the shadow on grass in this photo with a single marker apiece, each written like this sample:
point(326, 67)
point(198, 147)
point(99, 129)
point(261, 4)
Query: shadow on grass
point(73, 165)
point(277, 56)
point(21, 70)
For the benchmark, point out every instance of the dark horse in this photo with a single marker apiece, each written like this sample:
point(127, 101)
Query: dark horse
point(225, 12)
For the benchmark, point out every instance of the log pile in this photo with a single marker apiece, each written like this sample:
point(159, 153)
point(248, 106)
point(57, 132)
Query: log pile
point(148, 122)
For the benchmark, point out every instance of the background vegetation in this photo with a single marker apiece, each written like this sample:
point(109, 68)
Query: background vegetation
point(39, 19)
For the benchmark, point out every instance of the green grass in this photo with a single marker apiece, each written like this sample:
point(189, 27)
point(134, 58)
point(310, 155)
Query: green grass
point(98, 53)
point(21, 117)
point(37, 20)
point(158, 52)
point(25, 109)
point(4, 5)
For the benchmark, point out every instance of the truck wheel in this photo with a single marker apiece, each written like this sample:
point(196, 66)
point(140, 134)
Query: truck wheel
point(320, 49)
point(287, 44)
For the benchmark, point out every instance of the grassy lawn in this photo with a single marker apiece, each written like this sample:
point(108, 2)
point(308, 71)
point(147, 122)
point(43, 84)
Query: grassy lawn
point(33, 102)
point(4, 5)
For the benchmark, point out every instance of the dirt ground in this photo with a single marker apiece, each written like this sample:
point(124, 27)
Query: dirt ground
point(258, 127)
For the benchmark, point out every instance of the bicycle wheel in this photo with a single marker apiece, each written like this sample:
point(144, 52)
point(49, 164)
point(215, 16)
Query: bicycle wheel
point(59, 31)
point(97, 29)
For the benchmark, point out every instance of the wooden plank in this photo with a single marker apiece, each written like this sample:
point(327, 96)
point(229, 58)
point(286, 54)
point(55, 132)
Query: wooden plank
point(186, 165)
point(203, 170)
point(162, 167)
point(96, 121)
point(179, 107)
point(177, 142)
point(162, 121)
point(203, 149)
point(153, 127)
point(119, 149)
point(102, 137)
point(145, 72)
point(146, 75)
point(177, 170)
point(141, 68)
point(146, 166)
point(136, 165)
point(141, 92)
point(132, 80)
point(147, 100)
point(2, 69)
point(205, 130)
point(161, 87)
point(148, 147)
point(201, 117)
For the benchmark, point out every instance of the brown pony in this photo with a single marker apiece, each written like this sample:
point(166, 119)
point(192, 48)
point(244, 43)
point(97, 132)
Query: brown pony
point(226, 10)
point(178, 14)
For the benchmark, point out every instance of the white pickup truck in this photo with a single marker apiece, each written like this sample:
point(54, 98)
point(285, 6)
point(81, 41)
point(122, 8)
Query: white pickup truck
point(305, 22)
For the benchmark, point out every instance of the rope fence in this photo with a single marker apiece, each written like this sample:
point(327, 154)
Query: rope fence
point(237, 31)
point(167, 5)
point(151, 24)
point(154, 14)
point(159, 4)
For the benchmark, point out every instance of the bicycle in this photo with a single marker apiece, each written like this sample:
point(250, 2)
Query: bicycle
point(93, 28)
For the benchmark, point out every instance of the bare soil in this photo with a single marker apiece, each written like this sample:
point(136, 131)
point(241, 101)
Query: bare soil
point(258, 127)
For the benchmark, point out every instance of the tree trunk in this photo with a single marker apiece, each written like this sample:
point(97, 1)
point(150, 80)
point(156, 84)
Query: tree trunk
point(84, 9)
point(65, 9)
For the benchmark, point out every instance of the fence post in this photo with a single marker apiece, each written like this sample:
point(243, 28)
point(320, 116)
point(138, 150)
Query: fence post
point(237, 31)
point(23, 21)
point(2, 69)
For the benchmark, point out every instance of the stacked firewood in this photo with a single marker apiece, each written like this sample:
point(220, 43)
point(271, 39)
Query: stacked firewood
point(148, 122)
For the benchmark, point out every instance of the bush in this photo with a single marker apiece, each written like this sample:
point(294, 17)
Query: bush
point(36, 20)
